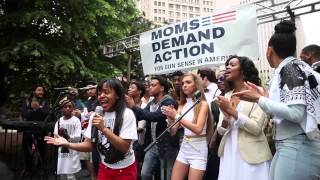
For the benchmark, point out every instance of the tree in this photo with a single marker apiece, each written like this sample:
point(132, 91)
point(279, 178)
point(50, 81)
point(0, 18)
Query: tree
point(138, 25)
point(57, 42)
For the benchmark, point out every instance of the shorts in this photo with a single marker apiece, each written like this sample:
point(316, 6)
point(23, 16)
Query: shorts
point(194, 153)
point(128, 173)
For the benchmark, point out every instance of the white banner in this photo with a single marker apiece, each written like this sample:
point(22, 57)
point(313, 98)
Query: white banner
point(201, 41)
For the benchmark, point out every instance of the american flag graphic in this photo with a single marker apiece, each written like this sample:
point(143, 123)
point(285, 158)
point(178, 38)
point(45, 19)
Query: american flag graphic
point(219, 18)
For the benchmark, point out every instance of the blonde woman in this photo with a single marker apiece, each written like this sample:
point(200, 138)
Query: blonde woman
point(192, 157)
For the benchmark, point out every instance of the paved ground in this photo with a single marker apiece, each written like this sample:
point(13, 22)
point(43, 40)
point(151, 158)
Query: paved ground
point(82, 175)
point(11, 156)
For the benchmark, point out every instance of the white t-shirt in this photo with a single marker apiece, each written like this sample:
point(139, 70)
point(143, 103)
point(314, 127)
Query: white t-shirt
point(213, 91)
point(142, 124)
point(69, 163)
point(127, 131)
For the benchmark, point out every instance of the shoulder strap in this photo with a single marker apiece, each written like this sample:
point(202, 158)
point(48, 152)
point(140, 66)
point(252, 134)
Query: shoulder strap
point(58, 125)
point(165, 97)
point(251, 109)
point(215, 93)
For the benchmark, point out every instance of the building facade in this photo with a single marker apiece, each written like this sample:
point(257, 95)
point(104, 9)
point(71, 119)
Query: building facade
point(171, 11)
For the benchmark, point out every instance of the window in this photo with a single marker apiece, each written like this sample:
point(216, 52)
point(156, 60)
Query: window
point(155, 10)
point(171, 20)
point(155, 3)
point(171, 13)
point(197, 9)
point(178, 14)
point(178, 7)
point(163, 4)
point(184, 8)
point(191, 8)
point(163, 12)
point(170, 6)
point(191, 15)
point(159, 3)
point(155, 18)
point(184, 15)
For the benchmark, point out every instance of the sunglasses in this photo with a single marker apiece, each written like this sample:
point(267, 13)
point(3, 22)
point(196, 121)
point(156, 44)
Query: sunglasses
point(220, 79)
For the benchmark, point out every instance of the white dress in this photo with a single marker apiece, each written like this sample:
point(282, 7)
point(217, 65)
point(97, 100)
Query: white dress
point(233, 167)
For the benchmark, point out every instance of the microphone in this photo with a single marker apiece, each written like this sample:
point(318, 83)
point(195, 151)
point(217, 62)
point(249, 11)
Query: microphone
point(88, 87)
point(197, 95)
point(63, 88)
point(94, 130)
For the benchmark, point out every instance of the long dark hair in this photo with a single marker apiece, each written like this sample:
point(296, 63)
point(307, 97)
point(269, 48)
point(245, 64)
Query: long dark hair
point(120, 104)
point(283, 41)
point(42, 101)
point(34, 89)
point(248, 69)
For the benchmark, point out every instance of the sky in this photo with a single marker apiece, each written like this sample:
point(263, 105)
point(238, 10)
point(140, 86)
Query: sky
point(311, 25)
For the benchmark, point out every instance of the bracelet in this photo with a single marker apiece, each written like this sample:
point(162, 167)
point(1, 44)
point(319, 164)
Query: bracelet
point(177, 116)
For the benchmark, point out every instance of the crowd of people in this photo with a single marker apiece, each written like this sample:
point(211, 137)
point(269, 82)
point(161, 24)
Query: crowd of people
point(218, 121)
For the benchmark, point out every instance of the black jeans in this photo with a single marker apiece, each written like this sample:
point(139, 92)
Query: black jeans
point(34, 150)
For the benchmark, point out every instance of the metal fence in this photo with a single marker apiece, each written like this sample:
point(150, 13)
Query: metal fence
point(12, 154)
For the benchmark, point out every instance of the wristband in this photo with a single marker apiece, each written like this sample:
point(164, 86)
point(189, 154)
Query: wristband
point(177, 116)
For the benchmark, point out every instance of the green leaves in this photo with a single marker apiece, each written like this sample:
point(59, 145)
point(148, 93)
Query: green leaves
point(57, 42)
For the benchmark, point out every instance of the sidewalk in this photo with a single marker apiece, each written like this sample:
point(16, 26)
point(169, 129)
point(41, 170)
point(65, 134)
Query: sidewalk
point(82, 175)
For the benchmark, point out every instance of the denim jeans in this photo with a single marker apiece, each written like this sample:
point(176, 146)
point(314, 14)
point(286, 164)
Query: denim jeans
point(296, 158)
point(152, 160)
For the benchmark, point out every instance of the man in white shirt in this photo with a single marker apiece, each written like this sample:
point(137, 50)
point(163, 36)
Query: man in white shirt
point(209, 80)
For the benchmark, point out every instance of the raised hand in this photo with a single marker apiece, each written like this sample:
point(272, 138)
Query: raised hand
point(129, 101)
point(57, 140)
point(252, 92)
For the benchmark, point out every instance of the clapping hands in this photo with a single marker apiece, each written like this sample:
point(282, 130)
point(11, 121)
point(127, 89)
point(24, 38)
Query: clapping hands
point(169, 111)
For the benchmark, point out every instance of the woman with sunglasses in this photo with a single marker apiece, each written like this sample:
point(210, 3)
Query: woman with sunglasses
point(222, 83)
